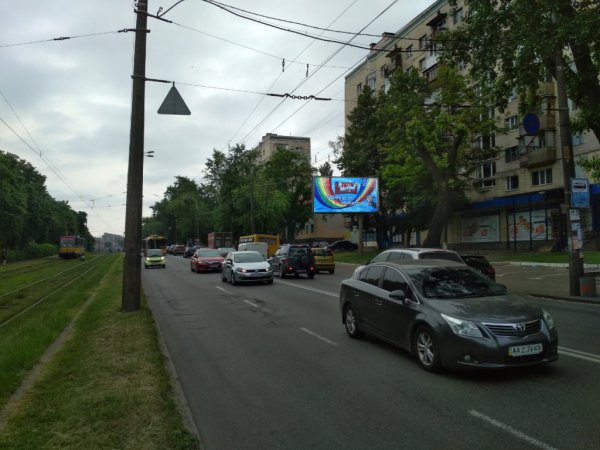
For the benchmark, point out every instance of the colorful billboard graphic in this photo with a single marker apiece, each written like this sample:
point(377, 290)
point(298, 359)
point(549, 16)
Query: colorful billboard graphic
point(480, 229)
point(345, 195)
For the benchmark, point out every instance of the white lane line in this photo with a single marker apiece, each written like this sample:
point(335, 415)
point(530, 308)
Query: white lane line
point(577, 354)
point(511, 430)
point(252, 304)
point(300, 286)
point(224, 290)
point(312, 333)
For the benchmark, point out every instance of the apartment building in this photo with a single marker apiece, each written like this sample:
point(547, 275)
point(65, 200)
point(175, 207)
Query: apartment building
point(515, 199)
point(271, 142)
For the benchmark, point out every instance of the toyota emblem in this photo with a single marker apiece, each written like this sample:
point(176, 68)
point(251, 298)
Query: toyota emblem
point(520, 327)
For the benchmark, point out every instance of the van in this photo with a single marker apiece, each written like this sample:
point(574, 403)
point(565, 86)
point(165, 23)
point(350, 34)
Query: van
point(260, 247)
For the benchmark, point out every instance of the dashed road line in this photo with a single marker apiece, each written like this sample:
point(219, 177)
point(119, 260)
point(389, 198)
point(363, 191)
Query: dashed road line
point(318, 336)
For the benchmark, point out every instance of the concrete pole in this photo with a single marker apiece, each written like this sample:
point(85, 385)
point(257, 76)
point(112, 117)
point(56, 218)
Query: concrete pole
point(132, 274)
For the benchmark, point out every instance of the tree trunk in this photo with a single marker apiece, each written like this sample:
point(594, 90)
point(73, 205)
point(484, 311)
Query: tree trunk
point(439, 219)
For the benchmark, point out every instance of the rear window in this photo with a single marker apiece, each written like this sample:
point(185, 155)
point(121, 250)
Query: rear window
point(297, 251)
point(322, 252)
point(448, 256)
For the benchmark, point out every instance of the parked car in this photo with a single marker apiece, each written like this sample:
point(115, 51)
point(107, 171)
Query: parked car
point(293, 259)
point(224, 251)
point(154, 258)
point(447, 315)
point(246, 266)
point(206, 260)
point(398, 255)
point(343, 245)
point(480, 262)
point(324, 260)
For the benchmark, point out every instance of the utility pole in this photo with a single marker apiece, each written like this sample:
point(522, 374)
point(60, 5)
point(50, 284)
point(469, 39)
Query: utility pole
point(568, 167)
point(132, 273)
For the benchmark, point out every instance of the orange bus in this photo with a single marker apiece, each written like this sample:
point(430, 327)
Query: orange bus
point(272, 241)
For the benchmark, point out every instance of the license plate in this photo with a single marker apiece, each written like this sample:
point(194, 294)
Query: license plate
point(524, 350)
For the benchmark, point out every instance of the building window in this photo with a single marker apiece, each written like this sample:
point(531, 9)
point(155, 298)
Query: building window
point(485, 142)
point(541, 177)
point(458, 16)
point(511, 123)
point(511, 154)
point(359, 89)
point(410, 69)
point(577, 138)
point(371, 81)
point(513, 95)
point(422, 65)
point(484, 175)
point(409, 50)
point(512, 183)
point(423, 42)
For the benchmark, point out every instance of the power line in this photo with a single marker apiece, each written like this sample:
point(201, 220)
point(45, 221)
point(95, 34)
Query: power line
point(64, 38)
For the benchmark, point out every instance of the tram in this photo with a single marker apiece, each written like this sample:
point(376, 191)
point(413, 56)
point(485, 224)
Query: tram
point(71, 247)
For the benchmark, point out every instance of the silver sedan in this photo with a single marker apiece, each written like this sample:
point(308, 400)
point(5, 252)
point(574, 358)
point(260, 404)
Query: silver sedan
point(246, 266)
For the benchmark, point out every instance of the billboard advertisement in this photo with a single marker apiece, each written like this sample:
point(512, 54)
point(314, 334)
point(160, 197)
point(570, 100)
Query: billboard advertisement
point(345, 195)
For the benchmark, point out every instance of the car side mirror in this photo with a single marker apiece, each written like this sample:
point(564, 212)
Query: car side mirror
point(398, 295)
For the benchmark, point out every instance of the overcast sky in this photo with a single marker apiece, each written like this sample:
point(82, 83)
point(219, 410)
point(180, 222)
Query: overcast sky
point(65, 105)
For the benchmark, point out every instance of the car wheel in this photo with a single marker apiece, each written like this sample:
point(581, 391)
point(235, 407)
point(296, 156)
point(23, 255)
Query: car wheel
point(332, 271)
point(270, 281)
point(426, 349)
point(310, 275)
point(223, 277)
point(282, 272)
point(192, 267)
point(233, 280)
point(351, 323)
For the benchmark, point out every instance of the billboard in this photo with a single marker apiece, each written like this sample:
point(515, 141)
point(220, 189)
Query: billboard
point(345, 195)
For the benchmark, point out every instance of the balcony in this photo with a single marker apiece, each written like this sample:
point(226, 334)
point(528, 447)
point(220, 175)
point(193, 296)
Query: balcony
point(538, 156)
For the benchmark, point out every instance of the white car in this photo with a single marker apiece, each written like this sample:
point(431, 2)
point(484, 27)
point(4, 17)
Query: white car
point(246, 266)
point(398, 255)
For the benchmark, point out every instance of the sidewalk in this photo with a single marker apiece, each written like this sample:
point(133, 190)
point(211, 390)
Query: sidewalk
point(558, 291)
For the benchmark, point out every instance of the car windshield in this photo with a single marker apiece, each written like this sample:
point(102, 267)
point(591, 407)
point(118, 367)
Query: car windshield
point(208, 252)
point(249, 257)
point(453, 283)
point(154, 252)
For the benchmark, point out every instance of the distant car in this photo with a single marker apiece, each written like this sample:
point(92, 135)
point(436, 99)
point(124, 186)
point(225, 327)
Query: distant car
point(224, 251)
point(154, 258)
point(178, 249)
point(447, 315)
point(324, 260)
point(480, 262)
point(293, 259)
point(246, 266)
point(189, 250)
point(342, 245)
point(206, 260)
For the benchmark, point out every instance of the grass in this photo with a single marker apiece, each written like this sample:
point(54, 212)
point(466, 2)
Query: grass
point(107, 387)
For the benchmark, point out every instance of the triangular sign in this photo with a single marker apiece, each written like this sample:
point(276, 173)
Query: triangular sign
point(174, 104)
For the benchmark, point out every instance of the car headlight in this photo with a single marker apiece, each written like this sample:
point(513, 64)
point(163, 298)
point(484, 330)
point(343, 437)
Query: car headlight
point(462, 327)
point(548, 319)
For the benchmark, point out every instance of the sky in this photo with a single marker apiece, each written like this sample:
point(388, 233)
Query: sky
point(65, 104)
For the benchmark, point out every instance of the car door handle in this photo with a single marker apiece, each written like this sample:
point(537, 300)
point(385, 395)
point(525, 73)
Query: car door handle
point(355, 293)
point(378, 302)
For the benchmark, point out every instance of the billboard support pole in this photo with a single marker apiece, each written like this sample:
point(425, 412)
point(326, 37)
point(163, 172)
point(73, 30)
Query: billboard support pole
point(360, 234)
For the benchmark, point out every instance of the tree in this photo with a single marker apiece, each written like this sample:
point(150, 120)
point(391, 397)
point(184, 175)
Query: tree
point(512, 44)
point(325, 170)
point(431, 129)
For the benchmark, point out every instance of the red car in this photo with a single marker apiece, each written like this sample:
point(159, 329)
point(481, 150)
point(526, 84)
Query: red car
point(206, 260)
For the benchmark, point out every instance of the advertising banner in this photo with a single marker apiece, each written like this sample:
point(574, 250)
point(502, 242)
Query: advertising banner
point(480, 229)
point(345, 195)
point(538, 227)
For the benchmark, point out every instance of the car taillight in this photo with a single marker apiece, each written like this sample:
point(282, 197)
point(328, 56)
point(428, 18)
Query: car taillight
point(284, 261)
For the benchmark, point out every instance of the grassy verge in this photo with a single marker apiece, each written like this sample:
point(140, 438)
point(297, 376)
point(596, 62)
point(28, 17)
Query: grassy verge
point(107, 387)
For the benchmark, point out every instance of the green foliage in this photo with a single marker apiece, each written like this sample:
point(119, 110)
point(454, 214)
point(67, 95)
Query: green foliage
point(513, 44)
point(29, 213)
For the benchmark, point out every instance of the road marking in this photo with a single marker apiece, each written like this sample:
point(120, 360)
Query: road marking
point(318, 336)
point(581, 355)
point(252, 304)
point(300, 286)
point(224, 290)
point(511, 430)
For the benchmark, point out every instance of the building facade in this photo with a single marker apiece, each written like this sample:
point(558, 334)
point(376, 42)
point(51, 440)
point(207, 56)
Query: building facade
point(516, 200)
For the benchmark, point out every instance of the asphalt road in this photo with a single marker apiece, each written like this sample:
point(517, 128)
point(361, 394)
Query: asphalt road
point(271, 367)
